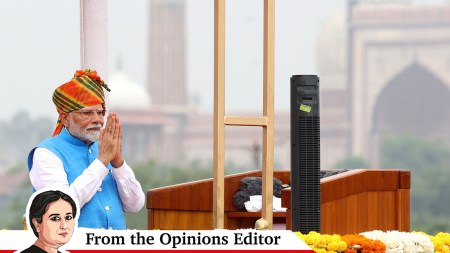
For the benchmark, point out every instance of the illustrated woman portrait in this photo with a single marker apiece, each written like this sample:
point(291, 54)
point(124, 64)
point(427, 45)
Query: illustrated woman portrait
point(52, 218)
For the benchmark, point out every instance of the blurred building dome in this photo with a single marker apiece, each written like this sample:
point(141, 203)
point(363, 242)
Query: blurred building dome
point(331, 52)
point(126, 94)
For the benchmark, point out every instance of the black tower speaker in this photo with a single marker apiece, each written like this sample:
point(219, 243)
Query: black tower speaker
point(305, 153)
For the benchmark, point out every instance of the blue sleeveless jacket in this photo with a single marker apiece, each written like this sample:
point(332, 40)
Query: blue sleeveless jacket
point(104, 210)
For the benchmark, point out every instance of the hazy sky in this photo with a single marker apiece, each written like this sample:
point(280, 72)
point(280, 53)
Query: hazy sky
point(40, 48)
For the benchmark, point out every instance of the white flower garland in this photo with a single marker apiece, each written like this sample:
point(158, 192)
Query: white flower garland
point(402, 242)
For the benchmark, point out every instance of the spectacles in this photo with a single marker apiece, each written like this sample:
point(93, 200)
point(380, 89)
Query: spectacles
point(86, 114)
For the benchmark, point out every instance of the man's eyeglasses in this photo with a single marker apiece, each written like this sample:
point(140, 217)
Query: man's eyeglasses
point(86, 114)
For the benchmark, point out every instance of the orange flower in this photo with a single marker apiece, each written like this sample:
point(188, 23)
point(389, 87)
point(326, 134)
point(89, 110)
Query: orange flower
point(367, 245)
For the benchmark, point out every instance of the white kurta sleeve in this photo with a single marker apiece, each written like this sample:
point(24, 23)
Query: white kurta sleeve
point(130, 190)
point(48, 171)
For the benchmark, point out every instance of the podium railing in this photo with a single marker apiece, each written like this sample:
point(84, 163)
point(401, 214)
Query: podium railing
point(352, 202)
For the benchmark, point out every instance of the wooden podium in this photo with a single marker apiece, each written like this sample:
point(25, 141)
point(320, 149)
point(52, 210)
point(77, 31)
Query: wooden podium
point(352, 202)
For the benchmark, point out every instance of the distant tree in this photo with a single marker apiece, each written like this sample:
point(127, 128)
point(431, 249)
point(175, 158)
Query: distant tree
point(16, 203)
point(428, 162)
point(153, 175)
point(350, 163)
point(150, 175)
point(20, 135)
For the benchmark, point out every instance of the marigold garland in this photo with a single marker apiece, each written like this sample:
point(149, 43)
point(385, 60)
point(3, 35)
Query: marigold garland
point(441, 242)
point(375, 242)
point(367, 245)
point(323, 243)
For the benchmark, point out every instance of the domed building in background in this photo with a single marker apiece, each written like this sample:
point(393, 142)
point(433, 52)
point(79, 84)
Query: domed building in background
point(167, 135)
point(367, 60)
point(384, 72)
point(398, 73)
point(142, 125)
point(164, 126)
point(127, 94)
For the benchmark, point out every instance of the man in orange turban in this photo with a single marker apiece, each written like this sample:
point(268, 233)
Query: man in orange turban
point(84, 156)
point(85, 89)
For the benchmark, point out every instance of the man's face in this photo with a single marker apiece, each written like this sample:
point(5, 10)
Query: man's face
point(85, 124)
point(57, 224)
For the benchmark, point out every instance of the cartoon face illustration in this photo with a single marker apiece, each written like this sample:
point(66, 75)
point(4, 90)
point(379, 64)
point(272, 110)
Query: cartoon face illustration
point(52, 217)
point(57, 224)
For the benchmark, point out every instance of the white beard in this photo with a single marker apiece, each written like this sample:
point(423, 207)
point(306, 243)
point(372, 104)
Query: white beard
point(82, 133)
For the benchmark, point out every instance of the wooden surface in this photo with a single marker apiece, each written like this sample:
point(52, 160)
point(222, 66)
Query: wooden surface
point(362, 200)
point(172, 205)
point(352, 202)
point(220, 120)
point(219, 113)
point(245, 121)
point(268, 110)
